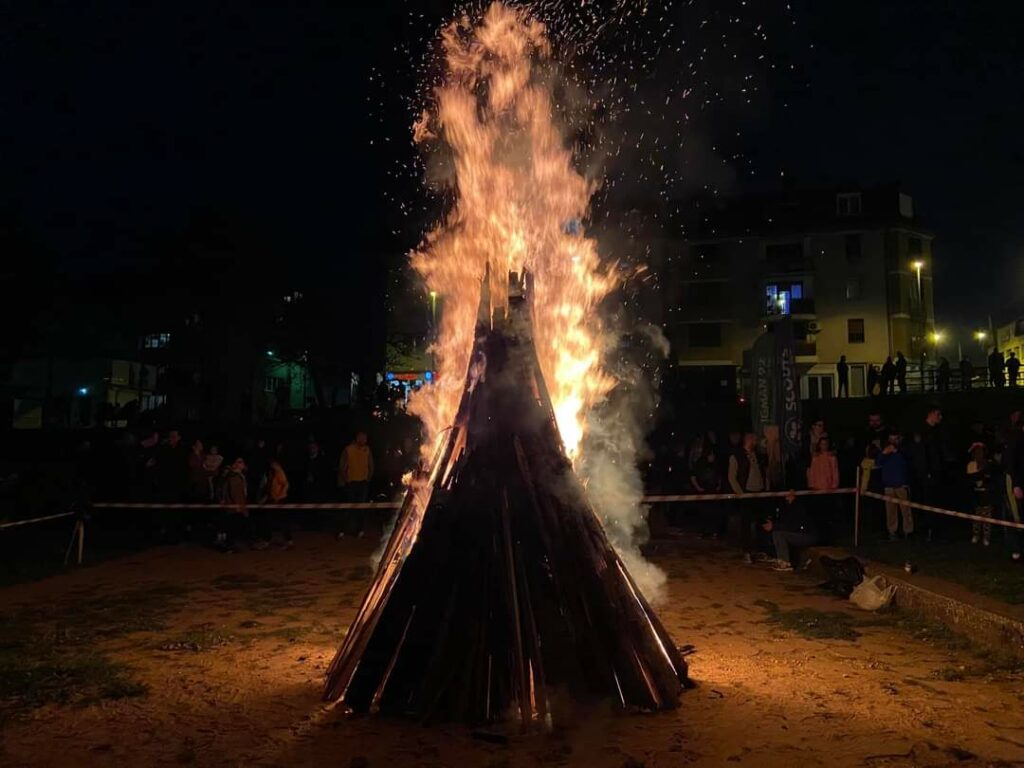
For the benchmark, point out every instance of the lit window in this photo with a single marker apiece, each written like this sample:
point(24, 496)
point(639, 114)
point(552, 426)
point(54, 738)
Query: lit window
point(271, 383)
point(156, 340)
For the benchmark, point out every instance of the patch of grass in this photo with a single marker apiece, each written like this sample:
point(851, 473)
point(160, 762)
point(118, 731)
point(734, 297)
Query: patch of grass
point(295, 633)
point(812, 623)
point(38, 669)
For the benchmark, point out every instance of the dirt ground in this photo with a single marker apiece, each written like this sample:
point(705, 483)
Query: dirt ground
point(218, 661)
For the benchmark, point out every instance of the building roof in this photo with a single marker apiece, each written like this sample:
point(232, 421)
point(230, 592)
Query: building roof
point(801, 211)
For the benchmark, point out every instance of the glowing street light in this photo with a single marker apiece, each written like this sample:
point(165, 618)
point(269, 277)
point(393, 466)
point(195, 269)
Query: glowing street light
point(937, 337)
point(918, 266)
point(433, 307)
point(980, 335)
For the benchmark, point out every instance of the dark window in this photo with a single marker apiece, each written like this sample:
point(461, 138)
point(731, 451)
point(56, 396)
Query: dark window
point(705, 335)
point(855, 331)
point(848, 204)
point(785, 257)
point(914, 246)
point(706, 295)
point(271, 383)
point(853, 248)
point(852, 288)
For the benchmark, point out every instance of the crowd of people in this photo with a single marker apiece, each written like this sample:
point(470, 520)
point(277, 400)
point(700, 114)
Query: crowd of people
point(983, 476)
point(892, 375)
point(246, 486)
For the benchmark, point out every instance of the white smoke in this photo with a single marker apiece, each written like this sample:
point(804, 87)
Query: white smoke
point(612, 449)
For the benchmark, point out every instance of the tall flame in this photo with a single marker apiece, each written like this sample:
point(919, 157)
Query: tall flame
point(519, 204)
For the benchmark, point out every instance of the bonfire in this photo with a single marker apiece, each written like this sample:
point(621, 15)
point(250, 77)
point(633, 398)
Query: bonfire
point(499, 596)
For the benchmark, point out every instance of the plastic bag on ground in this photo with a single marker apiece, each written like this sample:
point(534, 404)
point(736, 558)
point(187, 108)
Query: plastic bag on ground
point(873, 593)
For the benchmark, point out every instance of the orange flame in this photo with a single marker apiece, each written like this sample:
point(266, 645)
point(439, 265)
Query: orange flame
point(519, 205)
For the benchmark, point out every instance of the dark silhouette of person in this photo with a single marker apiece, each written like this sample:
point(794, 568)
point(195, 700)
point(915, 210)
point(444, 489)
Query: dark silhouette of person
point(944, 375)
point(1013, 368)
point(966, 374)
point(996, 372)
point(888, 377)
point(901, 372)
point(843, 372)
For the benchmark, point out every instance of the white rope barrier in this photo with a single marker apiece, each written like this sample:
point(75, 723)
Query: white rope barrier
point(941, 511)
point(31, 520)
point(345, 505)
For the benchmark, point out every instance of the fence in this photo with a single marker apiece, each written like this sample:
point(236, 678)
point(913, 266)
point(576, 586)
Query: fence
point(78, 532)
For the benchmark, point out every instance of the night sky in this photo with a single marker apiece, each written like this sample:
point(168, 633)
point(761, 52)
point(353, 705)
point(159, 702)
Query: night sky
point(122, 120)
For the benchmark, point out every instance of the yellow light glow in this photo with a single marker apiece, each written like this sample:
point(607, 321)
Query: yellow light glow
point(918, 265)
point(980, 335)
point(937, 336)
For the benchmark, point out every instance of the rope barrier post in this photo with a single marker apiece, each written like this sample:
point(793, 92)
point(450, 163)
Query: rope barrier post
point(856, 512)
point(71, 544)
point(81, 539)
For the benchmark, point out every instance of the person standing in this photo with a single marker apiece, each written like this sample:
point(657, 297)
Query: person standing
point(235, 520)
point(981, 474)
point(823, 474)
point(901, 372)
point(843, 374)
point(966, 374)
point(277, 493)
point(748, 474)
point(888, 377)
point(945, 374)
point(996, 366)
point(355, 468)
point(1013, 368)
point(707, 479)
point(198, 481)
point(896, 482)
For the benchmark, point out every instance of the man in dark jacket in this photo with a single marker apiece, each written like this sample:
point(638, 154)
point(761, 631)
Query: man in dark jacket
point(748, 473)
point(966, 374)
point(1013, 369)
point(843, 374)
point(996, 366)
point(901, 372)
point(888, 377)
point(793, 527)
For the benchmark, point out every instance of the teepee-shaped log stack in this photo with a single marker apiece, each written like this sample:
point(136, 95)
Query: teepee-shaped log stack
point(498, 596)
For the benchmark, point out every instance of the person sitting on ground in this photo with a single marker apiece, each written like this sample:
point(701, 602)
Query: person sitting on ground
point(792, 528)
point(981, 474)
point(896, 482)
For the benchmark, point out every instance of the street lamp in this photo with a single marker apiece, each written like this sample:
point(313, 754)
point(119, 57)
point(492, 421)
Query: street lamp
point(918, 266)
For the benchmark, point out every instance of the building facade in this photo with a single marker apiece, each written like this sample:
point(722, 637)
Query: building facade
point(853, 269)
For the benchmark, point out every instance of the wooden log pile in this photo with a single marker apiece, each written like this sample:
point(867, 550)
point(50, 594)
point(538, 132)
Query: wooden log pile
point(498, 596)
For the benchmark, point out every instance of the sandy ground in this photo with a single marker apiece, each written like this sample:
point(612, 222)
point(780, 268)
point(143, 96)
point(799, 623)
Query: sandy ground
point(764, 696)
